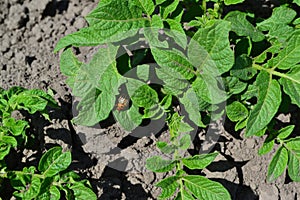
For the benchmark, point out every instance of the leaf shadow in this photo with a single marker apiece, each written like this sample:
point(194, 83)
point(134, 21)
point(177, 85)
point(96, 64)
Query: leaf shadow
point(115, 185)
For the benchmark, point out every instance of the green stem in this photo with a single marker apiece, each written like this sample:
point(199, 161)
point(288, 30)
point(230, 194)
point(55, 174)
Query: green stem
point(5, 174)
point(204, 6)
point(273, 72)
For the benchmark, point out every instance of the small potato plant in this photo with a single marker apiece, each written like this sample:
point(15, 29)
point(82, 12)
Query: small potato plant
point(50, 177)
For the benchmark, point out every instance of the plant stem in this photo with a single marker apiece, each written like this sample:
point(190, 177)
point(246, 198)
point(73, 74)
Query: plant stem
point(204, 6)
point(273, 72)
point(5, 174)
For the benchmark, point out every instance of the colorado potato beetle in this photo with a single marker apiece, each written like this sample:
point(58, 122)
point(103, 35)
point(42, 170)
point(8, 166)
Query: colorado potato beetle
point(122, 103)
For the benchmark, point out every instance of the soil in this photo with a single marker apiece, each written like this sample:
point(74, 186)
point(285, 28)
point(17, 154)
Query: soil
point(109, 157)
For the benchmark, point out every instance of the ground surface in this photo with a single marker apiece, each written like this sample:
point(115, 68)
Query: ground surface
point(109, 157)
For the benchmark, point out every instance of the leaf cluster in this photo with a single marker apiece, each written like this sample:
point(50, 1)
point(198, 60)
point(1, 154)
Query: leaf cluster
point(50, 177)
point(182, 185)
point(13, 131)
point(204, 58)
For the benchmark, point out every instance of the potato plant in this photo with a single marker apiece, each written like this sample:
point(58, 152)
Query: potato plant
point(50, 177)
point(204, 58)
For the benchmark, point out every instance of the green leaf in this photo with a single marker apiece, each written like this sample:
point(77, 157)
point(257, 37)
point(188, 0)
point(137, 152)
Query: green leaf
point(233, 85)
point(69, 176)
point(184, 127)
point(32, 191)
point(157, 164)
point(291, 84)
point(14, 91)
point(288, 57)
point(242, 27)
point(54, 161)
point(191, 106)
point(278, 23)
point(146, 5)
point(160, 1)
point(3, 105)
point(54, 193)
point(90, 105)
point(242, 68)
point(152, 33)
point(166, 10)
point(209, 50)
point(199, 161)
point(205, 189)
point(69, 66)
point(294, 165)
point(230, 2)
point(269, 99)
point(110, 22)
point(154, 112)
point(129, 119)
point(48, 191)
point(185, 142)
point(177, 32)
point(250, 92)
point(169, 186)
point(297, 2)
point(16, 127)
point(173, 82)
point(261, 132)
point(207, 88)
point(274, 49)
point(97, 84)
point(278, 164)
point(184, 195)
point(143, 72)
point(166, 102)
point(6, 142)
point(293, 143)
point(177, 125)
point(32, 100)
point(174, 61)
point(285, 132)
point(236, 111)
point(267, 146)
point(165, 148)
point(81, 192)
point(240, 125)
point(142, 95)
point(10, 140)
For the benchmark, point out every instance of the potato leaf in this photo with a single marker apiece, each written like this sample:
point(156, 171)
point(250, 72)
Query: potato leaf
point(242, 27)
point(82, 192)
point(203, 188)
point(236, 111)
point(169, 186)
point(289, 56)
point(191, 106)
point(209, 49)
point(230, 2)
point(32, 191)
point(278, 164)
point(173, 60)
point(54, 161)
point(106, 25)
point(269, 99)
point(199, 161)
point(294, 165)
point(285, 132)
point(146, 5)
point(291, 84)
point(157, 164)
point(278, 23)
